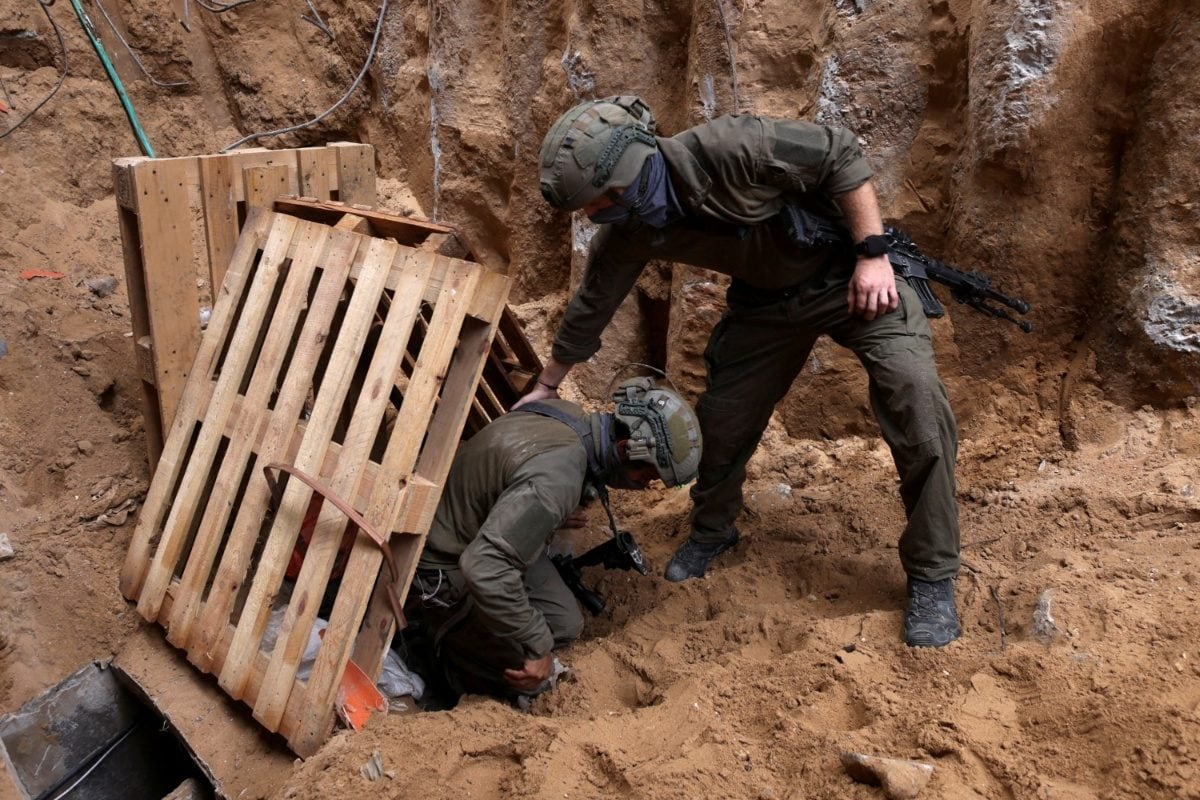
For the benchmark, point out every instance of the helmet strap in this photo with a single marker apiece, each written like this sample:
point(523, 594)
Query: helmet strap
point(618, 143)
point(618, 197)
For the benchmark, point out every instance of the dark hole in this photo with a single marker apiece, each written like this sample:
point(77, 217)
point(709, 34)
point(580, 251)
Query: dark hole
point(95, 737)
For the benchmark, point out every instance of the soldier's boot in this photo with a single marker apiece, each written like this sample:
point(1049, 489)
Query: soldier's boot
point(932, 620)
point(692, 558)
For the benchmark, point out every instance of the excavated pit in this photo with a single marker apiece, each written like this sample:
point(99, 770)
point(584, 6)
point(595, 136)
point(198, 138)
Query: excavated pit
point(1049, 144)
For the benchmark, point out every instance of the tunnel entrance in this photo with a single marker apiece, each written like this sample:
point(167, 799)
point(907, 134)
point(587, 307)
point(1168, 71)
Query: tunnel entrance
point(96, 736)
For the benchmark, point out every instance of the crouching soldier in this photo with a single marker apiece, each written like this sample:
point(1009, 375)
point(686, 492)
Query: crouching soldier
point(486, 591)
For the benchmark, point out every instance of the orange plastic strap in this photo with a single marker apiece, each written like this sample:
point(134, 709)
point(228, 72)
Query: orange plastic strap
point(356, 520)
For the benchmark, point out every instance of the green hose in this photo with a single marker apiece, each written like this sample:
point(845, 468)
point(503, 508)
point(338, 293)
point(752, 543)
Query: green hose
point(140, 134)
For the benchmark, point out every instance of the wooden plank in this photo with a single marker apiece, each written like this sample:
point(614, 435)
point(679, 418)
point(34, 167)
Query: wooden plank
point(254, 157)
point(165, 228)
point(514, 337)
point(356, 224)
point(139, 313)
point(434, 464)
point(123, 188)
point(329, 400)
point(356, 173)
point(259, 667)
point(405, 230)
point(317, 167)
point(264, 184)
point(251, 412)
point(340, 253)
point(251, 157)
point(220, 214)
point(171, 462)
point(402, 452)
point(200, 463)
point(323, 547)
point(187, 167)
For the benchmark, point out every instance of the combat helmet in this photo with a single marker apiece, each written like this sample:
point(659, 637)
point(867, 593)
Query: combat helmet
point(595, 146)
point(663, 429)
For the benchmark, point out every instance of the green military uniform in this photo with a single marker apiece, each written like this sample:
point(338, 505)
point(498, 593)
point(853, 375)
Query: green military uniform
point(734, 174)
point(485, 585)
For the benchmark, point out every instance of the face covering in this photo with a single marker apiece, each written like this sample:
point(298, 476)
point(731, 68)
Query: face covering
point(650, 199)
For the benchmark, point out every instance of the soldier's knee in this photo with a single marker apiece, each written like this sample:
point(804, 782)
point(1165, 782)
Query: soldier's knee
point(567, 627)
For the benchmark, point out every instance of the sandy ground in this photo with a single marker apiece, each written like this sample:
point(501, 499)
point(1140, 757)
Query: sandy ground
point(747, 684)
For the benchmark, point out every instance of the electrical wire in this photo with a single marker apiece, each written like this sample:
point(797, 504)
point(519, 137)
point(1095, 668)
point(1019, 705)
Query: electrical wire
point(45, 4)
point(221, 8)
point(89, 30)
point(7, 96)
point(366, 65)
point(737, 105)
point(132, 54)
point(99, 759)
point(316, 20)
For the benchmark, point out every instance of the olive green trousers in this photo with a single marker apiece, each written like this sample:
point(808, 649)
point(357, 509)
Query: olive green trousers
point(473, 655)
point(757, 350)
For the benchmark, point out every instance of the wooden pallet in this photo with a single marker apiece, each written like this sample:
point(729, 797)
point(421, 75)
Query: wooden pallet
point(353, 360)
point(181, 216)
point(512, 365)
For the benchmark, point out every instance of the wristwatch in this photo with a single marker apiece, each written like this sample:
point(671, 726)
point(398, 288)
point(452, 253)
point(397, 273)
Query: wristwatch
point(875, 245)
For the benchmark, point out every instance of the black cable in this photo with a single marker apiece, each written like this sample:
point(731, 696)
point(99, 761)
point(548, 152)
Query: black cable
point(45, 4)
point(366, 65)
point(316, 20)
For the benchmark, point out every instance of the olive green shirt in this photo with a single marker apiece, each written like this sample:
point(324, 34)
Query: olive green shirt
point(733, 175)
point(510, 488)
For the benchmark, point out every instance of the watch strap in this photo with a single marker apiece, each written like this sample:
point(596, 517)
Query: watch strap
point(871, 246)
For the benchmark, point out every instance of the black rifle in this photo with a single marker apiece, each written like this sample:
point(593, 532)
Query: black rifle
point(619, 552)
point(969, 288)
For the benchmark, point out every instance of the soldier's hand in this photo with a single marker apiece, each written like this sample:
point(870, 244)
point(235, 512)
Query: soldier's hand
point(872, 290)
point(530, 676)
point(539, 392)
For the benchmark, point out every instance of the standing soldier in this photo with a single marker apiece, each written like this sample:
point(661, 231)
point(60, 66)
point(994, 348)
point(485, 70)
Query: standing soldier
point(711, 197)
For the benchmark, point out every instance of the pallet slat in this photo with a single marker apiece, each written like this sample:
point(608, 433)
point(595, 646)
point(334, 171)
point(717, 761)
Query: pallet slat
point(155, 506)
point(243, 433)
point(166, 246)
point(220, 214)
point(330, 398)
point(434, 464)
point(327, 537)
point(235, 562)
point(400, 458)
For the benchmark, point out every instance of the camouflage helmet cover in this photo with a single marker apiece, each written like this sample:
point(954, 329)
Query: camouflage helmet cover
point(596, 145)
point(664, 431)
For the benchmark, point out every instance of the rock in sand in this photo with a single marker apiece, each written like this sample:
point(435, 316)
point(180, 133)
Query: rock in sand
point(899, 778)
